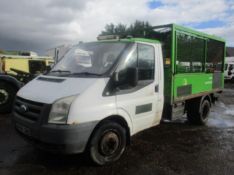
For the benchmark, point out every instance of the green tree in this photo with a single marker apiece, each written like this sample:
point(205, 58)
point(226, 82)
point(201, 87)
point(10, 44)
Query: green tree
point(109, 29)
point(121, 29)
point(137, 29)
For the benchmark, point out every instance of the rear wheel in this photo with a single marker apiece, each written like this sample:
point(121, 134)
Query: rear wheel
point(108, 143)
point(232, 80)
point(198, 112)
point(7, 95)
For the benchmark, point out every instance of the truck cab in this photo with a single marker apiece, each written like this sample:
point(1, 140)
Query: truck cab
point(95, 98)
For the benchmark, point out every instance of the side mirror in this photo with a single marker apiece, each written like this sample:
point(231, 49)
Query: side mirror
point(126, 77)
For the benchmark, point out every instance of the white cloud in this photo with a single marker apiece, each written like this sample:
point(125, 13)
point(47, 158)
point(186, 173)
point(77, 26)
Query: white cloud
point(46, 23)
point(225, 32)
point(98, 13)
point(193, 11)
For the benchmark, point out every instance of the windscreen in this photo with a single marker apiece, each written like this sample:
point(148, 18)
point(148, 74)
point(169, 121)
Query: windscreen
point(95, 58)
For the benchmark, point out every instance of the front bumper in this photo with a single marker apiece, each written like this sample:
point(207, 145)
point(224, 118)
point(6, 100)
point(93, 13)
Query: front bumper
point(65, 139)
point(33, 126)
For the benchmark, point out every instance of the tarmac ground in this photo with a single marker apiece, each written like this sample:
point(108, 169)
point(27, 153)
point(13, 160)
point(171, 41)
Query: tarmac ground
point(175, 148)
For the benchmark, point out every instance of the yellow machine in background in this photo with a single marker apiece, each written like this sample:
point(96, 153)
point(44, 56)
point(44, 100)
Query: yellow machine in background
point(17, 70)
point(26, 64)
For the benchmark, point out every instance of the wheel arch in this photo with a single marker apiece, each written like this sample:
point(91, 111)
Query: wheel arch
point(199, 100)
point(114, 118)
point(207, 97)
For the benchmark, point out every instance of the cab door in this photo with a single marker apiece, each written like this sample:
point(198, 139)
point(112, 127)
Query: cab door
point(141, 101)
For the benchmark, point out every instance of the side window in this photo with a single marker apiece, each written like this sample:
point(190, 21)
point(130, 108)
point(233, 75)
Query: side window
point(129, 62)
point(145, 62)
point(190, 54)
point(142, 59)
point(215, 55)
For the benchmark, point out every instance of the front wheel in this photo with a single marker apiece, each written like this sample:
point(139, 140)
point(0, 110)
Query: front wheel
point(7, 95)
point(107, 143)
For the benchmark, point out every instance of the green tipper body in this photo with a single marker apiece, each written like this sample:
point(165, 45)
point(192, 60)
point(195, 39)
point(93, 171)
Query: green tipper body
point(182, 86)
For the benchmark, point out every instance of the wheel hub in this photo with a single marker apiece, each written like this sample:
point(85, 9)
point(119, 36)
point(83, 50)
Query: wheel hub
point(3, 96)
point(109, 143)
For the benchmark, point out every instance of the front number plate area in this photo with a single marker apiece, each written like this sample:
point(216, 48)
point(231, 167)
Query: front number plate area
point(26, 131)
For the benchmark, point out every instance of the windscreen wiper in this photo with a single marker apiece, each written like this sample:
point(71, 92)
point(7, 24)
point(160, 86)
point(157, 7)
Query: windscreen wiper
point(85, 73)
point(61, 71)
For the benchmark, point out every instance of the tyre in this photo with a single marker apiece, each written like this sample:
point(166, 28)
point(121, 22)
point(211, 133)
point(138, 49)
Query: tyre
point(107, 143)
point(197, 112)
point(232, 80)
point(7, 96)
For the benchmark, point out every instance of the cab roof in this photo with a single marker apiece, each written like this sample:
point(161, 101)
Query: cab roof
point(131, 40)
point(140, 40)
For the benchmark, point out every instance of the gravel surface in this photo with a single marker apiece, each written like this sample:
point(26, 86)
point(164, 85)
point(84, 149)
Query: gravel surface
point(172, 149)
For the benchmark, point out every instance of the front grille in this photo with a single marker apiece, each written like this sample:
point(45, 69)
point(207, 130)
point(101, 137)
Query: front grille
point(28, 109)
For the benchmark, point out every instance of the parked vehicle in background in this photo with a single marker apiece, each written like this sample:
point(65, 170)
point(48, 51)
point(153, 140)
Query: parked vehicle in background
point(17, 70)
point(229, 69)
point(229, 64)
point(58, 52)
point(103, 92)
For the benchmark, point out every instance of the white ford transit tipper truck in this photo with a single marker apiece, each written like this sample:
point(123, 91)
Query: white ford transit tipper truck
point(101, 93)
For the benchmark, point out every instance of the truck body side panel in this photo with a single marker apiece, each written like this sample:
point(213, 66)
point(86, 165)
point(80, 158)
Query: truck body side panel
point(188, 84)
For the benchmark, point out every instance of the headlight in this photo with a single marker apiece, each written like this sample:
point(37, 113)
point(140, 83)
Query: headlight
point(60, 110)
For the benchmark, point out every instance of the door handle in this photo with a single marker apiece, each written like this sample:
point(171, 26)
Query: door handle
point(156, 88)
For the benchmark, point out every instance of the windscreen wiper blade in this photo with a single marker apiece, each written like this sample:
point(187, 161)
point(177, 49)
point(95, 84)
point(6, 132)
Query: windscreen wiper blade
point(61, 71)
point(86, 73)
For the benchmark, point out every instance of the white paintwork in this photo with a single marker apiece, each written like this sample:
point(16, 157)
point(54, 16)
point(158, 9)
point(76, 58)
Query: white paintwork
point(91, 105)
point(229, 74)
point(146, 95)
point(48, 92)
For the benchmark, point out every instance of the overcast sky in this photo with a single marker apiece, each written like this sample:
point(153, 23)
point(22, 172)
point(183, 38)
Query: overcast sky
point(42, 24)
